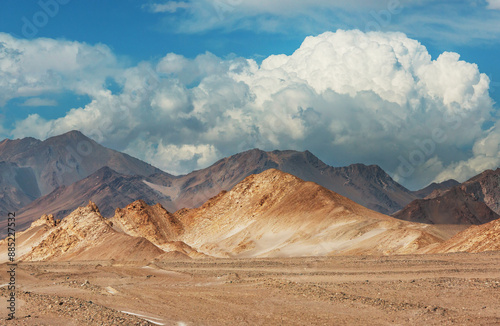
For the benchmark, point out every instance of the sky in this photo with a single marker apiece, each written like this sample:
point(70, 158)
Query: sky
point(410, 85)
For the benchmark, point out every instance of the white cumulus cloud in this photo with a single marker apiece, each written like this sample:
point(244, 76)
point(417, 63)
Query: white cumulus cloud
point(41, 66)
point(347, 96)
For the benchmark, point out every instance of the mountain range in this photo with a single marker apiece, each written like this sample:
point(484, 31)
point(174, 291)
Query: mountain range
point(58, 175)
point(65, 159)
point(271, 214)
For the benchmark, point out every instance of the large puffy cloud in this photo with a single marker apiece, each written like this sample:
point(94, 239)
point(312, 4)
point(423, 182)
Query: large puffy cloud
point(347, 96)
point(41, 66)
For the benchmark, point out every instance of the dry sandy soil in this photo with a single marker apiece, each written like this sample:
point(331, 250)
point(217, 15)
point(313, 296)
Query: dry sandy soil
point(446, 289)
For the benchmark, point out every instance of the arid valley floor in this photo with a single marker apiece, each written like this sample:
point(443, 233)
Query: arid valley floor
point(445, 289)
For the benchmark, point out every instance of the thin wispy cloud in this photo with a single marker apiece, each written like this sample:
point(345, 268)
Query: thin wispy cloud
point(464, 21)
point(37, 101)
point(168, 7)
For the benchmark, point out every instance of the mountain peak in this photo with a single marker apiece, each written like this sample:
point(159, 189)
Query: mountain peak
point(93, 207)
point(69, 137)
point(154, 223)
point(47, 220)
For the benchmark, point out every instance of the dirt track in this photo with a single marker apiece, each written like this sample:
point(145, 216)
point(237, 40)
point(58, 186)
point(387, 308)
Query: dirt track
point(400, 290)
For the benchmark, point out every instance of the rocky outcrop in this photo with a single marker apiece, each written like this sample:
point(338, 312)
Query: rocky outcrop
point(154, 223)
point(86, 235)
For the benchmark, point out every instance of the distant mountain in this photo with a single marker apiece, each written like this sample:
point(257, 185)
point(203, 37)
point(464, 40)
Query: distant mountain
point(18, 187)
point(475, 201)
point(440, 187)
point(68, 158)
point(106, 187)
point(369, 186)
point(30, 168)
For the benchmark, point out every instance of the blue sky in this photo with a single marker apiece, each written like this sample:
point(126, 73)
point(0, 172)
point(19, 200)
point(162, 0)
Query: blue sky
point(208, 98)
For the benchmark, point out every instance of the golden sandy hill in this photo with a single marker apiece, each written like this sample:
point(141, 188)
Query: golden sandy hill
point(477, 238)
point(277, 214)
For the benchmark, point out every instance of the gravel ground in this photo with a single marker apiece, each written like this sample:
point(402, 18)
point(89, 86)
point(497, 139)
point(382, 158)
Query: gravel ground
point(451, 289)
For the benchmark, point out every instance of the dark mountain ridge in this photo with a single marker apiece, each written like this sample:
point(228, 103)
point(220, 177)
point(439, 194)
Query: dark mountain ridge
point(476, 201)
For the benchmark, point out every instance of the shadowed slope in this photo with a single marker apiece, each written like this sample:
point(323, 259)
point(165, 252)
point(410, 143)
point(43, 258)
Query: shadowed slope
point(475, 201)
point(107, 188)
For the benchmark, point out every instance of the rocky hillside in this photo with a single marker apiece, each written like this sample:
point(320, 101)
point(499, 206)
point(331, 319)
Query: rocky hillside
point(82, 235)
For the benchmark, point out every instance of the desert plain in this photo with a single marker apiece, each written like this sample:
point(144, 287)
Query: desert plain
point(442, 289)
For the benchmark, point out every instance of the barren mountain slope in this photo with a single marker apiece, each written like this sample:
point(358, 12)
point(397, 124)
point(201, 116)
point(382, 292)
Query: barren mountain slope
point(440, 187)
point(107, 188)
point(154, 223)
point(475, 201)
point(477, 238)
point(82, 235)
point(18, 187)
point(369, 186)
point(65, 159)
point(277, 214)
point(29, 238)
point(486, 188)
